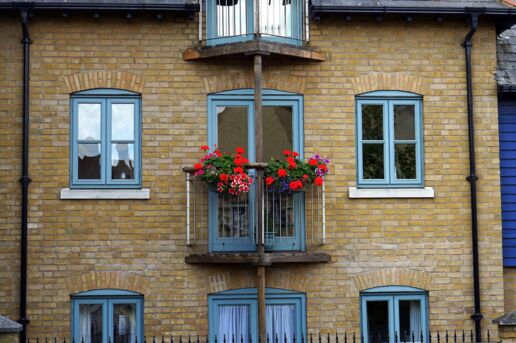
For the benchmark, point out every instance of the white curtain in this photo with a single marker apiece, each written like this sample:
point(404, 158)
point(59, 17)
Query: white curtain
point(415, 320)
point(125, 317)
point(233, 323)
point(86, 321)
point(281, 322)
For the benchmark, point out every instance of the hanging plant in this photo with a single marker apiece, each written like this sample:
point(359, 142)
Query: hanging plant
point(224, 172)
point(293, 174)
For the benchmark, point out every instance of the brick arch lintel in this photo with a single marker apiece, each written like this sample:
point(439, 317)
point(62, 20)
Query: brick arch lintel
point(104, 79)
point(393, 277)
point(244, 79)
point(107, 279)
point(290, 280)
point(389, 81)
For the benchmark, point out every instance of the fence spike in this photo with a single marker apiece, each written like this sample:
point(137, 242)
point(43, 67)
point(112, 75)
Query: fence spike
point(328, 338)
point(361, 337)
point(294, 338)
point(64, 340)
point(135, 338)
point(153, 339)
point(302, 337)
point(354, 337)
point(285, 338)
point(249, 338)
point(395, 336)
point(320, 337)
point(422, 339)
point(446, 336)
point(276, 338)
point(311, 338)
point(198, 341)
point(454, 336)
point(471, 336)
point(82, 340)
point(215, 338)
point(336, 337)
point(488, 336)
point(109, 339)
point(463, 336)
point(413, 338)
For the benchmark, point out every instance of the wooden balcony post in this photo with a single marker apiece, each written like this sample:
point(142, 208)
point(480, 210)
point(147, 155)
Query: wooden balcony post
point(258, 136)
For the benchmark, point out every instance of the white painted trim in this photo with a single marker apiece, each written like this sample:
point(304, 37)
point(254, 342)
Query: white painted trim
point(378, 193)
point(98, 194)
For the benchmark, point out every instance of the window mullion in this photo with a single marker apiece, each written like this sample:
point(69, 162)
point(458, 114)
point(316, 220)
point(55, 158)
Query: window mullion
point(390, 161)
point(105, 133)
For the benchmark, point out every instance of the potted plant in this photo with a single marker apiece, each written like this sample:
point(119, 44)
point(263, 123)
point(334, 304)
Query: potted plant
point(224, 172)
point(292, 174)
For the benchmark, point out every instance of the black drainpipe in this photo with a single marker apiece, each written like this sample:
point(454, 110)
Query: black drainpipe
point(472, 178)
point(24, 180)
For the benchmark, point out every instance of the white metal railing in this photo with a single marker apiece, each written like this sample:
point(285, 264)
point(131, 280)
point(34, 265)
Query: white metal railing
point(286, 218)
point(228, 20)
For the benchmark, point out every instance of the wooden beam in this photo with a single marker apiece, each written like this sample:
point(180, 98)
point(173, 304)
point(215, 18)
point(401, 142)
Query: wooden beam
point(253, 47)
point(262, 320)
point(257, 259)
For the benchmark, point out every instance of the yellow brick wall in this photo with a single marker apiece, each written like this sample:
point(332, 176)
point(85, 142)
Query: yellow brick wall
point(9, 337)
point(140, 245)
point(509, 282)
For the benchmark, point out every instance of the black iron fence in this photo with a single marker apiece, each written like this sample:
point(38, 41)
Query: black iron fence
point(445, 336)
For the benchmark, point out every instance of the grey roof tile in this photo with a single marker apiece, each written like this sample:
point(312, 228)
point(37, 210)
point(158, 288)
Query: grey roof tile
point(506, 58)
point(413, 3)
point(7, 325)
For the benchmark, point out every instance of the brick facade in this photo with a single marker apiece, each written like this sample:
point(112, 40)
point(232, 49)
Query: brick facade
point(139, 245)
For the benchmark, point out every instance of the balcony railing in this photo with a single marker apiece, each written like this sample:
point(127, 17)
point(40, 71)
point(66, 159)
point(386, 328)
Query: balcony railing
point(224, 223)
point(227, 21)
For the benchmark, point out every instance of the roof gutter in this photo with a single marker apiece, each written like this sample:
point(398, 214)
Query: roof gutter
point(104, 6)
point(472, 177)
point(415, 10)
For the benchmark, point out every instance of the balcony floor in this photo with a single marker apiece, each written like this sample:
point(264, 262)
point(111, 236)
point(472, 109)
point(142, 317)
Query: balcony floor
point(254, 258)
point(251, 47)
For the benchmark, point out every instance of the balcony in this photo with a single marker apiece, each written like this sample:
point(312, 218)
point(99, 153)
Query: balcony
point(229, 27)
point(223, 229)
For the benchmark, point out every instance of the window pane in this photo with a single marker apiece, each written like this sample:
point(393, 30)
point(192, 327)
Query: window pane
point(372, 122)
point(405, 161)
point(276, 17)
point(122, 161)
point(233, 214)
point(124, 323)
point(372, 157)
point(277, 131)
point(90, 323)
point(122, 122)
point(410, 320)
point(280, 323)
point(88, 156)
point(231, 18)
point(404, 123)
point(378, 321)
point(233, 323)
point(279, 215)
point(88, 118)
point(232, 128)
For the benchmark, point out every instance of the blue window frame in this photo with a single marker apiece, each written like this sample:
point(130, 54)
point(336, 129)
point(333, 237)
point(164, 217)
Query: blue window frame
point(394, 314)
point(231, 124)
point(389, 139)
point(230, 21)
point(107, 315)
point(105, 139)
point(235, 313)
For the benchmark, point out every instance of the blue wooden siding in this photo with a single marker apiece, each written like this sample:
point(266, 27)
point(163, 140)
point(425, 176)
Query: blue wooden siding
point(507, 123)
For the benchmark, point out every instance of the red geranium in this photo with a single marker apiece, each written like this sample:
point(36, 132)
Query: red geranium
point(282, 172)
point(205, 148)
point(269, 180)
point(240, 150)
point(286, 152)
point(318, 181)
point(312, 162)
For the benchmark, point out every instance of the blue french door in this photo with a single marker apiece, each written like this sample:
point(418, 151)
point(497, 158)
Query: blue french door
point(115, 320)
point(394, 318)
point(232, 220)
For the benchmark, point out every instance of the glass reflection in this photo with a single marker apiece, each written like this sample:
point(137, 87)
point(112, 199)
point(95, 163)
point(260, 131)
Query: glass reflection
point(378, 321)
point(90, 323)
point(232, 128)
point(372, 122)
point(88, 118)
point(124, 323)
point(122, 161)
point(277, 131)
point(405, 161)
point(404, 123)
point(88, 161)
point(372, 157)
point(410, 320)
point(122, 122)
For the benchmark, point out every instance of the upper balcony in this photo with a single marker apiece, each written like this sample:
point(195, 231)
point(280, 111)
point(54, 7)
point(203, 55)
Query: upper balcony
point(224, 229)
point(229, 27)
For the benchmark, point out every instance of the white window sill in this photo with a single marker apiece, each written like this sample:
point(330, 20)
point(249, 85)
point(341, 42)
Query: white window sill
point(102, 194)
point(390, 193)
